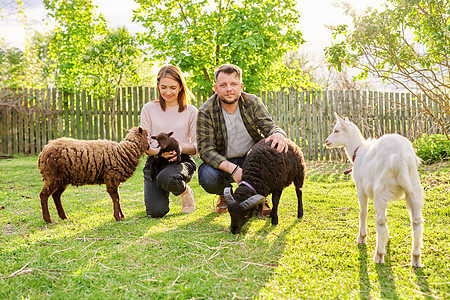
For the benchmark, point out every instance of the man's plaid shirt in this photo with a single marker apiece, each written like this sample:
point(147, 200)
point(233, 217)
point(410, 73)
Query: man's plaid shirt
point(211, 129)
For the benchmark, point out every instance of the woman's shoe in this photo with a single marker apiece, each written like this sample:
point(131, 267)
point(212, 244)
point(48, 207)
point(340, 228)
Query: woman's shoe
point(187, 201)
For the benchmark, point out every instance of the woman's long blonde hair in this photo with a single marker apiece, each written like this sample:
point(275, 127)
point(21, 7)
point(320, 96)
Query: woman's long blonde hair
point(184, 96)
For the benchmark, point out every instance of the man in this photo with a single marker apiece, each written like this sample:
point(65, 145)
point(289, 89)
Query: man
point(228, 125)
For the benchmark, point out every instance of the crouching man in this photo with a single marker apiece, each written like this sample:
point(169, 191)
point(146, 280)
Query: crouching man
point(228, 125)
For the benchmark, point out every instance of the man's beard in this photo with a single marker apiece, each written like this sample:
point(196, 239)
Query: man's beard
point(229, 101)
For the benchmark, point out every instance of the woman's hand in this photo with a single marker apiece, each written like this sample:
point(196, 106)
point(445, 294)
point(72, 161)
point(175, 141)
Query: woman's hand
point(170, 155)
point(152, 151)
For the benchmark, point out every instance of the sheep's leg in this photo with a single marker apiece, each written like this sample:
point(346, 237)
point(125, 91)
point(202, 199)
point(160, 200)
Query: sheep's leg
point(275, 201)
point(113, 192)
point(382, 229)
point(414, 202)
point(363, 200)
point(300, 203)
point(57, 199)
point(46, 191)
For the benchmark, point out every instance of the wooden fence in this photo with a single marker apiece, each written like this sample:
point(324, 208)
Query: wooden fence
point(29, 118)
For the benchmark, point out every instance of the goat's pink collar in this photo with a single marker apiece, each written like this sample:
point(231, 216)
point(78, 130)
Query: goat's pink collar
point(353, 159)
point(248, 185)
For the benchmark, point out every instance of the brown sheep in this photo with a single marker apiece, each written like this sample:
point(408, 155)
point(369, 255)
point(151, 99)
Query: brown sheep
point(67, 161)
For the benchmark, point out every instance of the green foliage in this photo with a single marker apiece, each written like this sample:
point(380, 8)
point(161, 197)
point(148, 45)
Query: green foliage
point(432, 148)
point(291, 74)
point(11, 66)
point(405, 44)
point(111, 59)
point(30, 68)
point(76, 30)
point(201, 35)
point(186, 256)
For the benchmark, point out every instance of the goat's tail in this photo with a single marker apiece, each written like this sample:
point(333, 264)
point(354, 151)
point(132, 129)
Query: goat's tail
point(408, 178)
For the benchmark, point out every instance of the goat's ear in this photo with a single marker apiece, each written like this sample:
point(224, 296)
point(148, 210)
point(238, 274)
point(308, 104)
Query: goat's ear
point(341, 121)
point(170, 133)
point(347, 120)
point(126, 130)
point(141, 130)
point(153, 137)
point(252, 201)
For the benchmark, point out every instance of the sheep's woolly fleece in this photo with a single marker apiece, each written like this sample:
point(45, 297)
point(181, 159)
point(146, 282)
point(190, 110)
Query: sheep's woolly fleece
point(79, 162)
point(269, 171)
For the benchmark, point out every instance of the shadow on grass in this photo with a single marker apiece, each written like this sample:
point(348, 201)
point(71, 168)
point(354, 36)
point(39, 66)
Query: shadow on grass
point(364, 282)
point(178, 256)
point(422, 282)
point(386, 277)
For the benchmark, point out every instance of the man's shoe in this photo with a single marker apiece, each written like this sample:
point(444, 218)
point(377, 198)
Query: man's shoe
point(188, 201)
point(221, 205)
point(266, 209)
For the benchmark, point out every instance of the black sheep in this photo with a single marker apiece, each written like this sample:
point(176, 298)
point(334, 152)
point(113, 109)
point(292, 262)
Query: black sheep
point(265, 171)
point(166, 144)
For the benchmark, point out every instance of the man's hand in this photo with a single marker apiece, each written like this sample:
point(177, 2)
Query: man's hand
point(237, 176)
point(279, 140)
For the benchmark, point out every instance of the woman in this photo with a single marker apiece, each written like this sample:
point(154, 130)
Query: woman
point(171, 112)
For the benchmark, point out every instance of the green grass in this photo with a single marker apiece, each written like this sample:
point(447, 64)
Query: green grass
point(195, 256)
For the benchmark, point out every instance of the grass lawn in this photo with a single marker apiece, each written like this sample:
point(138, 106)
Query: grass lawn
point(195, 256)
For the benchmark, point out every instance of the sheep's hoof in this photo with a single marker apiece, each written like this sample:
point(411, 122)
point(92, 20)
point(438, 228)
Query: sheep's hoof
point(415, 261)
point(378, 258)
point(361, 239)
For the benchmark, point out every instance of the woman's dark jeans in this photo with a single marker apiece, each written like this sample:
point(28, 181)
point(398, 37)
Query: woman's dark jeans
point(172, 178)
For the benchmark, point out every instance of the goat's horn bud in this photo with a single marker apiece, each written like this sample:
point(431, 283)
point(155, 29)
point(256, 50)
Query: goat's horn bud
point(252, 201)
point(227, 194)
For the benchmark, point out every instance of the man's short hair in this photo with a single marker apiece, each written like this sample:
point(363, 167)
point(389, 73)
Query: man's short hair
point(228, 69)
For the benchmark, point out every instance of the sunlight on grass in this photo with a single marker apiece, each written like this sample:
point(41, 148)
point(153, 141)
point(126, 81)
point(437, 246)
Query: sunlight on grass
point(187, 256)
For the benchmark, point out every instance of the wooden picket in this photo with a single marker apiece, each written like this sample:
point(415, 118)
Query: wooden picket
point(30, 118)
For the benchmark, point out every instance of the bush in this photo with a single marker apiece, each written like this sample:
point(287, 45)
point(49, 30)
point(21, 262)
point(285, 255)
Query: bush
point(432, 148)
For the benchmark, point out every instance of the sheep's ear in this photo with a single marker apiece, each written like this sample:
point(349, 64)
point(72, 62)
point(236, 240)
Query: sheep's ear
point(347, 120)
point(252, 201)
point(170, 133)
point(228, 197)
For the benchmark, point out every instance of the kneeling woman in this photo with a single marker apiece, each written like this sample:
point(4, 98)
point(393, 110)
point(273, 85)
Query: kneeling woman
point(170, 112)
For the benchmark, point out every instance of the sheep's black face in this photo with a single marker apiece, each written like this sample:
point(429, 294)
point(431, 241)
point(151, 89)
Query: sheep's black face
point(241, 206)
point(239, 217)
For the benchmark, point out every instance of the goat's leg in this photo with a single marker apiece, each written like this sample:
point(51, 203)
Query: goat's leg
point(300, 203)
point(46, 191)
point(275, 201)
point(57, 199)
point(382, 229)
point(414, 202)
point(362, 199)
point(113, 192)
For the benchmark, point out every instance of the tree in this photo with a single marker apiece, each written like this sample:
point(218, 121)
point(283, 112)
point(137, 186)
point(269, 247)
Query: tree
point(110, 61)
point(88, 55)
point(11, 66)
point(407, 44)
point(200, 35)
point(76, 30)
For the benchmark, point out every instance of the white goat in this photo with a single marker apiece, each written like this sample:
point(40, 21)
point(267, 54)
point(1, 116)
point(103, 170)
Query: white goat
point(383, 170)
